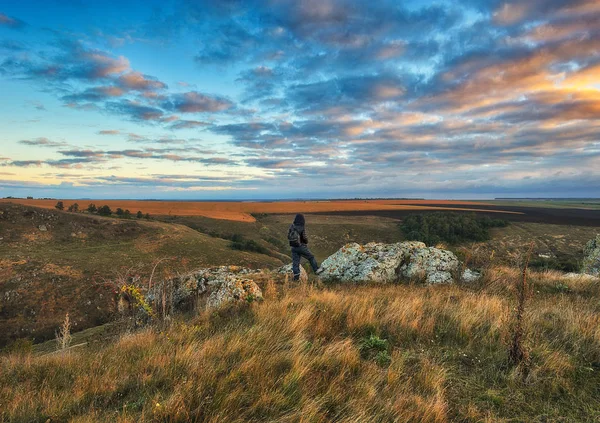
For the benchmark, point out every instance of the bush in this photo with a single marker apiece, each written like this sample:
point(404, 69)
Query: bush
point(453, 228)
point(239, 243)
point(561, 263)
point(74, 208)
point(60, 205)
point(139, 215)
point(92, 208)
point(375, 348)
point(104, 211)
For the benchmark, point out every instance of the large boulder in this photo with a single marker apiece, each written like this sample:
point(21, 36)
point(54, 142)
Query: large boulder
point(591, 259)
point(213, 286)
point(373, 262)
point(376, 262)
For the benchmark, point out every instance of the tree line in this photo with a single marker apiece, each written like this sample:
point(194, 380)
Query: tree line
point(102, 211)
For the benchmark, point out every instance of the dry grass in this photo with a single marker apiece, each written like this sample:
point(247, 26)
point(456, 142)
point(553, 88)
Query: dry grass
point(299, 357)
point(242, 211)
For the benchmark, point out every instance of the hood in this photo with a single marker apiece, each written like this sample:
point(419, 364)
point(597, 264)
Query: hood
point(299, 220)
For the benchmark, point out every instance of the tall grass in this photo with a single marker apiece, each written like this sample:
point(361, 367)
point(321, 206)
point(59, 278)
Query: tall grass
point(309, 354)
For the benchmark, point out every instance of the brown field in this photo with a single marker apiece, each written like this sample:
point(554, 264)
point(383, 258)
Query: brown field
point(242, 211)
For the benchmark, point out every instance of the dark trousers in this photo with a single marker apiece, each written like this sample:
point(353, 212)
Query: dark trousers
point(297, 254)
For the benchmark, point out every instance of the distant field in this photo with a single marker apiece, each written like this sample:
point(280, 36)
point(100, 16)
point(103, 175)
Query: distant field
point(586, 204)
point(242, 211)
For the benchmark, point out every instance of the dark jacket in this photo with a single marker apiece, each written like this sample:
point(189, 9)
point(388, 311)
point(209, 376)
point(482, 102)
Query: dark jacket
point(299, 226)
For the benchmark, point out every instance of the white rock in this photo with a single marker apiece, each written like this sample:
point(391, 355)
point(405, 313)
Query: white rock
point(470, 276)
point(373, 262)
point(436, 265)
point(591, 260)
point(219, 285)
point(232, 290)
point(377, 262)
point(287, 270)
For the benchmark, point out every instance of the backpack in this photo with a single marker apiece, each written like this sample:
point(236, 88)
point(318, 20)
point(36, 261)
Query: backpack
point(294, 236)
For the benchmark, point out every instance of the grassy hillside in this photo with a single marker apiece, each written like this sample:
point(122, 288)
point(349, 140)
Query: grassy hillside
point(55, 262)
point(327, 233)
point(339, 353)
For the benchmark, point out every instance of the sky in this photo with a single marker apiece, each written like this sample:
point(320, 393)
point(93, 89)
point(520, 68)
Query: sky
point(278, 99)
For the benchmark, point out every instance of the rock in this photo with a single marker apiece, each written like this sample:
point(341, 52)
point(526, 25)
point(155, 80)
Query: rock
point(373, 262)
point(591, 259)
point(43, 228)
point(287, 270)
point(377, 262)
point(470, 276)
point(216, 286)
point(234, 290)
point(435, 265)
point(580, 276)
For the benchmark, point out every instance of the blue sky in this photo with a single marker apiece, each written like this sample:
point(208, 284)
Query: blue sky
point(232, 99)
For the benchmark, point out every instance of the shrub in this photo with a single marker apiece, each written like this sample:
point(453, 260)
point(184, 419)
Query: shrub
point(119, 212)
point(60, 205)
point(92, 208)
point(104, 211)
point(74, 208)
point(375, 348)
point(139, 215)
point(453, 228)
point(239, 243)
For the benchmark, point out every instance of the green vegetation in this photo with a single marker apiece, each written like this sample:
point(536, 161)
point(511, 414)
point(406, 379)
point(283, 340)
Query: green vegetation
point(60, 206)
point(74, 208)
point(104, 211)
point(238, 242)
point(454, 228)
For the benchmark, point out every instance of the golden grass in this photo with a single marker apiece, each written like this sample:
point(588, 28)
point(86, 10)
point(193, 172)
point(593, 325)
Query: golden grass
point(242, 211)
point(299, 357)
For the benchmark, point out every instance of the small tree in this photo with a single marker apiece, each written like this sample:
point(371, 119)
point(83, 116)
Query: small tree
point(74, 208)
point(140, 215)
point(120, 212)
point(147, 217)
point(92, 208)
point(104, 211)
point(60, 205)
point(127, 214)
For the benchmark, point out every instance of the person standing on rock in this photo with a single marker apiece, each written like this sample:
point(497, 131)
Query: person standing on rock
point(298, 241)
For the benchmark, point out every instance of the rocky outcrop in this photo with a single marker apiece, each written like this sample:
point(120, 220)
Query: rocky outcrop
point(591, 259)
point(215, 287)
point(372, 262)
point(375, 262)
point(287, 271)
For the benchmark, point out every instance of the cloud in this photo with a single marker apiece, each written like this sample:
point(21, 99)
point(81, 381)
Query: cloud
point(12, 23)
point(187, 124)
point(195, 102)
point(109, 132)
point(139, 82)
point(135, 110)
point(42, 142)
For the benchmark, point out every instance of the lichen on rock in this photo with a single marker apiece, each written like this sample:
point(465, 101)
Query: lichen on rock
point(385, 263)
point(591, 259)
